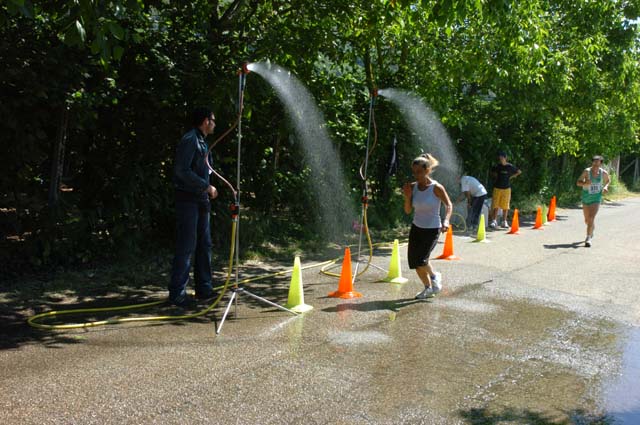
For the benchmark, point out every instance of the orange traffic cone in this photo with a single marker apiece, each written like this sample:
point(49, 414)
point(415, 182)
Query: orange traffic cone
point(515, 224)
point(538, 225)
point(345, 286)
point(447, 252)
point(552, 210)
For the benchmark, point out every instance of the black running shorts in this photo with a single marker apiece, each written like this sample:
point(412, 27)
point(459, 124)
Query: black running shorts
point(421, 243)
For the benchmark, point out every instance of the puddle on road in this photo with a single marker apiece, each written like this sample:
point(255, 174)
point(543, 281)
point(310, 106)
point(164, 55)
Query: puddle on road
point(473, 358)
point(357, 338)
point(622, 392)
point(497, 359)
point(469, 305)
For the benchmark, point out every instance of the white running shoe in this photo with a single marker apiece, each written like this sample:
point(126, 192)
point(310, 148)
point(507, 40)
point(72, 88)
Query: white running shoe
point(505, 225)
point(493, 224)
point(436, 282)
point(425, 293)
point(587, 242)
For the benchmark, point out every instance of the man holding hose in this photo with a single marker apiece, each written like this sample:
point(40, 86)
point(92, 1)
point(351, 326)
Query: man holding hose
point(193, 193)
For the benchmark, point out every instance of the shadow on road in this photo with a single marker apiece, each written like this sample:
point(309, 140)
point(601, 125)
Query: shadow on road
point(16, 332)
point(573, 245)
point(113, 287)
point(391, 305)
point(119, 285)
point(482, 416)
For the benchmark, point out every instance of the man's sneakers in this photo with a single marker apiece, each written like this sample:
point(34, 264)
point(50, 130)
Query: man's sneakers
point(206, 293)
point(587, 242)
point(427, 292)
point(505, 225)
point(183, 300)
point(493, 224)
point(436, 282)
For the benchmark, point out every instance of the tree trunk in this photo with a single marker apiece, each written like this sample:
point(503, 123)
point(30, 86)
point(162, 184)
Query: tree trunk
point(614, 166)
point(58, 160)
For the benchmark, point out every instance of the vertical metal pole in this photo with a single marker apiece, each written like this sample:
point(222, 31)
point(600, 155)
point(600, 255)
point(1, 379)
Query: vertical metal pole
point(241, 81)
point(366, 159)
point(365, 190)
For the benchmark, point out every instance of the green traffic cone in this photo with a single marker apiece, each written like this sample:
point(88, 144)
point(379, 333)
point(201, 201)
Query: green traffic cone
point(481, 236)
point(295, 302)
point(395, 269)
point(544, 214)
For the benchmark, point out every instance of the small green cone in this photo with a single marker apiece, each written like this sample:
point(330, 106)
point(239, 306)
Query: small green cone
point(481, 236)
point(395, 269)
point(544, 215)
point(295, 302)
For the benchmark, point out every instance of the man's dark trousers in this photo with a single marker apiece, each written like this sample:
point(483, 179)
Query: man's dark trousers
point(193, 236)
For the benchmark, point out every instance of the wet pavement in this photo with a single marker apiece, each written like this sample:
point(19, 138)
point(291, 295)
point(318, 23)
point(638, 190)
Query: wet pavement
point(530, 328)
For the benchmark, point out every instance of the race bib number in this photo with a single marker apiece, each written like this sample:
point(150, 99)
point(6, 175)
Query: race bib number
point(595, 188)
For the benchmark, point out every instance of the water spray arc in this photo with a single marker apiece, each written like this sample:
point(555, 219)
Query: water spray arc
point(332, 206)
point(428, 132)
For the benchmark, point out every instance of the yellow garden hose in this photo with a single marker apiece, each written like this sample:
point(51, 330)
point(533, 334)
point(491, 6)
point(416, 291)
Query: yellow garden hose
point(34, 320)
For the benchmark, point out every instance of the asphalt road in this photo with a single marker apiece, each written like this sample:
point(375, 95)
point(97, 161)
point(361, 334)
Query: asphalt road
point(531, 328)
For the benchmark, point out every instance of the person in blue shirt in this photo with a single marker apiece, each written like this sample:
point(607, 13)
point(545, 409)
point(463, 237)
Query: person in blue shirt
point(193, 193)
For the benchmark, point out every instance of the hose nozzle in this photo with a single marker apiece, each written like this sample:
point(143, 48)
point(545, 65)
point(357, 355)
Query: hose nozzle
point(374, 92)
point(245, 68)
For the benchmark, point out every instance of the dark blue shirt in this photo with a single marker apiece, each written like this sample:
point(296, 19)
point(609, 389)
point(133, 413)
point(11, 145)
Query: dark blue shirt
point(191, 175)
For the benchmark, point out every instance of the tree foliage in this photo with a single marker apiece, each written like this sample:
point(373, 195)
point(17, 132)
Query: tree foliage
point(550, 81)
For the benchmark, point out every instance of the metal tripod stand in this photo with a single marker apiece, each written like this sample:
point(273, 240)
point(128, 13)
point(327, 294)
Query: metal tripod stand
point(238, 290)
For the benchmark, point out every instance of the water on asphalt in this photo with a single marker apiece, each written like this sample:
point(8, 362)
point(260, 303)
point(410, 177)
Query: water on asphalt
point(521, 338)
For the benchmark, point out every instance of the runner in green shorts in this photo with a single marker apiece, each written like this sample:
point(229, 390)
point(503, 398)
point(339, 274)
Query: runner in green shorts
point(594, 181)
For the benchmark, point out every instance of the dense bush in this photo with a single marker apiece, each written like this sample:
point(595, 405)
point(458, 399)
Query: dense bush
point(551, 82)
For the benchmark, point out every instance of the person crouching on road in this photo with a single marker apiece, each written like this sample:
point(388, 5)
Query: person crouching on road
point(476, 194)
point(594, 181)
point(424, 197)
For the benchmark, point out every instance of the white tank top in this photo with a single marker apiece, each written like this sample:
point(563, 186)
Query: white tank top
point(426, 207)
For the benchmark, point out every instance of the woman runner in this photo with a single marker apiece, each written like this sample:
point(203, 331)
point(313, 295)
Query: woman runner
point(423, 197)
point(594, 181)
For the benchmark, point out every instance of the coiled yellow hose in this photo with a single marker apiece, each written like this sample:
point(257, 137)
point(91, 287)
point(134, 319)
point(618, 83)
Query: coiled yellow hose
point(34, 320)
